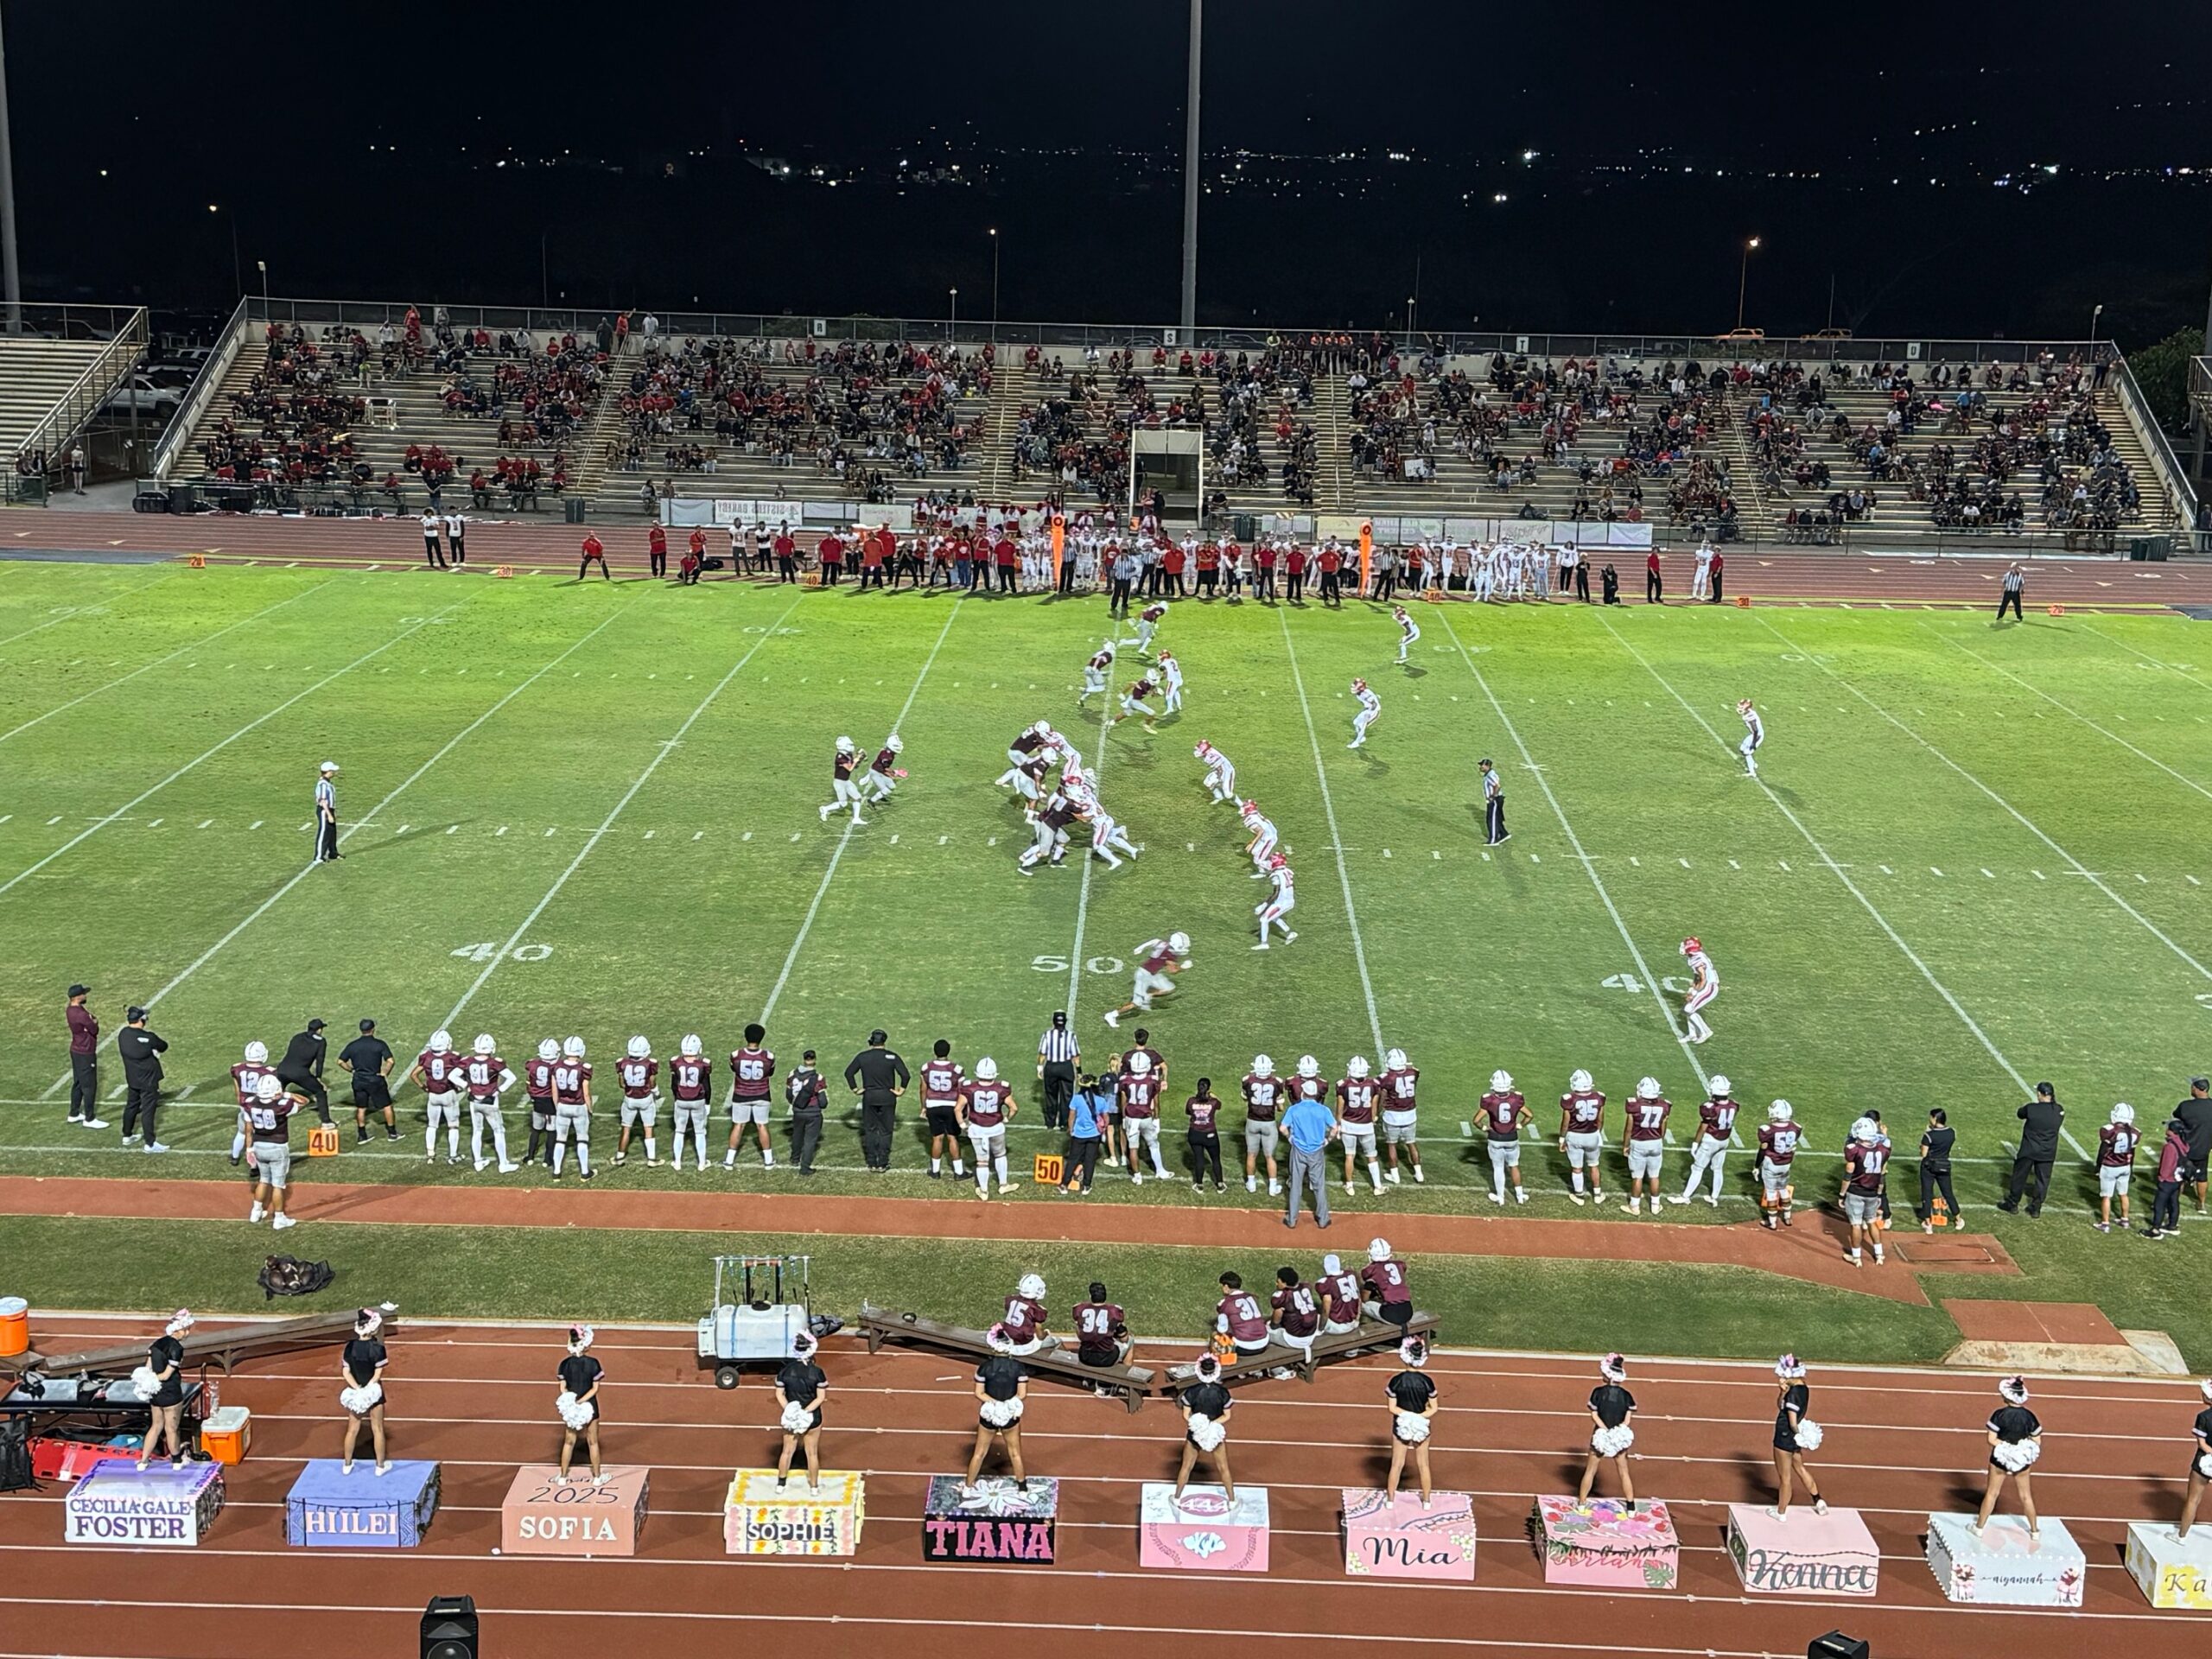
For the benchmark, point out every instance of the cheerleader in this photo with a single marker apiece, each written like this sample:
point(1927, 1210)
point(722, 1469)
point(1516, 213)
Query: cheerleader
point(1412, 1404)
point(1610, 1407)
point(1206, 1406)
point(361, 1366)
point(2200, 1463)
point(1795, 1434)
point(799, 1388)
point(161, 1384)
point(2015, 1443)
point(1002, 1396)
point(578, 1404)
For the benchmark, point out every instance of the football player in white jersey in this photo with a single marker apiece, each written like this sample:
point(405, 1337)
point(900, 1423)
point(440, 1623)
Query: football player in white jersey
point(1481, 569)
point(1221, 771)
point(1408, 631)
point(1278, 904)
point(1705, 985)
point(1171, 682)
point(1371, 711)
point(1262, 847)
point(1754, 737)
point(1107, 833)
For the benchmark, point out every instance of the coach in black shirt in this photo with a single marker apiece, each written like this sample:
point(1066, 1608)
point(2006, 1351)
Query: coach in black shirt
point(141, 1052)
point(2196, 1112)
point(880, 1076)
point(301, 1067)
point(367, 1060)
point(2040, 1121)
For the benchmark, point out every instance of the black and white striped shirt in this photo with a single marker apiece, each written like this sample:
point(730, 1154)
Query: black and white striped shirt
point(1057, 1044)
point(2011, 581)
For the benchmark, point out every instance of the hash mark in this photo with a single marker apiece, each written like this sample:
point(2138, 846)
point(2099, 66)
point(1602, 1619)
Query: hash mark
point(257, 823)
point(696, 835)
point(1733, 865)
point(649, 835)
point(1785, 865)
point(1684, 862)
point(1991, 873)
point(501, 830)
point(549, 828)
point(204, 823)
point(1933, 870)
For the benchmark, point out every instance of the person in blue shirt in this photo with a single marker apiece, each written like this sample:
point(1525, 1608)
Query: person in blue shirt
point(1309, 1126)
point(1088, 1111)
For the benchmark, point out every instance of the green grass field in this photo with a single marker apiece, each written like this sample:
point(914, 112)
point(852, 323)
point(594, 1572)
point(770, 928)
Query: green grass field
point(1979, 859)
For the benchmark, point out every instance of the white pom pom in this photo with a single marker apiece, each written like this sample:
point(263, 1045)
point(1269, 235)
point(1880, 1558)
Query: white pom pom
point(145, 1383)
point(1413, 1427)
point(796, 1418)
point(361, 1401)
point(2014, 1457)
point(1000, 1413)
point(1205, 1433)
point(1611, 1442)
point(576, 1414)
point(1809, 1434)
point(2204, 1465)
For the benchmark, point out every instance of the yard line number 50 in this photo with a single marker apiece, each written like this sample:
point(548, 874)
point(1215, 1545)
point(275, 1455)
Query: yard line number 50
point(1059, 964)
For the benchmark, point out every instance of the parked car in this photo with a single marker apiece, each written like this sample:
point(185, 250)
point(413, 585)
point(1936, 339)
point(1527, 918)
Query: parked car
point(146, 393)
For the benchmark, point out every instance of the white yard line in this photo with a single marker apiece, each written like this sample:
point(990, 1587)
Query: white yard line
point(2018, 816)
point(1336, 838)
point(1082, 887)
point(412, 778)
point(1999, 668)
point(838, 854)
point(206, 754)
point(1834, 868)
point(606, 823)
point(61, 709)
point(1589, 867)
point(2114, 640)
point(98, 608)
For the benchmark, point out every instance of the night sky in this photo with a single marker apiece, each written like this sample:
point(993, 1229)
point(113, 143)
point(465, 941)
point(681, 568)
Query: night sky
point(1968, 169)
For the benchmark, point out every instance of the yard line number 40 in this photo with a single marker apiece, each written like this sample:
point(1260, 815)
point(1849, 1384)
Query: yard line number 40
point(490, 951)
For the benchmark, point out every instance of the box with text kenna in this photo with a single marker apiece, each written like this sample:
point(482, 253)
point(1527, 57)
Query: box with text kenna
point(761, 1517)
point(1604, 1541)
point(1803, 1553)
point(116, 1502)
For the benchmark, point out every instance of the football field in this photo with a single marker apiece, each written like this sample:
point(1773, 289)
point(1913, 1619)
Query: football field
point(1976, 857)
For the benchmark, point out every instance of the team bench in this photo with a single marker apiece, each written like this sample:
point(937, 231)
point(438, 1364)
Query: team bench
point(225, 1348)
point(1129, 1383)
point(1373, 1336)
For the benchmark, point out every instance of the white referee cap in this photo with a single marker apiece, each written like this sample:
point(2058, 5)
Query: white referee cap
point(328, 766)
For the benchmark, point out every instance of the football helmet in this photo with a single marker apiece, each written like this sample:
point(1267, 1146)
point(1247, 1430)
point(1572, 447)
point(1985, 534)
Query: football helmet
point(1308, 1067)
point(639, 1048)
point(1179, 943)
point(1395, 1060)
point(572, 1048)
point(1647, 1089)
point(1865, 1128)
point(1501, 1083)
point(256, 1053)
point(1202, 751)
point(1356, 1066)
point(1140, 1064)
point(1263, 1065)
point(1378, 1249)
point(692, 1045)
point(269, 1087)
point(1031, 1286)
point(441, 1042)
point(1278, 861)
point(894, 744)
point(549, 1050)
point(1580, 1083)
point(2123, 1113)
point(484, 1044)
point(986, 1070)
point(1780, 1112)
point(1358, 686)
point(1718, 1084)
point(1692, 945)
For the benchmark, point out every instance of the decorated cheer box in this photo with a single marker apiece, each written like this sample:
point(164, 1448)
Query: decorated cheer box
point(824, 1518)
point(1802, 1553)
point(540, 1517)
point(2004, 1564)
point(327, 1507)
point(1607, 1540)
point(995, 1520)
point(2172, 1572)
point(1204, 1531)
point(115, 1503)
point(1402, 1538)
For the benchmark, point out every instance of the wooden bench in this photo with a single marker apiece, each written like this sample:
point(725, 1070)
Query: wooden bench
point(1131, 1384)
point(225, 1348)
point(1373, 1336)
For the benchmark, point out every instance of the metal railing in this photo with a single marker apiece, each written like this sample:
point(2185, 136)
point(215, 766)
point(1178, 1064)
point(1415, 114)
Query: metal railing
point(202, 392)
point(85, 394)
point(2181, 495)
point(68, 321)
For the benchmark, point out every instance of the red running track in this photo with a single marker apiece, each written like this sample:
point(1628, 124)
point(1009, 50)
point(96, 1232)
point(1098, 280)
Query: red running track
point(537, 546)
point(479, 1400)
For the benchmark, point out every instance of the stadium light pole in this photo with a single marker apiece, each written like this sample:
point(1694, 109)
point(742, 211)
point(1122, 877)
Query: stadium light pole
point(1190, 178)
point(952, 328)
point(11, 277)
point(2094, 316)
point(994, 282)
point(1744, 280)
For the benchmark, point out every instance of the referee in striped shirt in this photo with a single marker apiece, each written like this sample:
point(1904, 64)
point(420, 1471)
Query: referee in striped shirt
point(325, 812)
point(1058, 1056)
point(2010, 596)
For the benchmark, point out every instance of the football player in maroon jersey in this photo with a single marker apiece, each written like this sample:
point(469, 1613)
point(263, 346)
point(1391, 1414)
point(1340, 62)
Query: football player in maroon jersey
point(1778, 1139)
point(1358, 1098)
point(884, 771)
point(987, 1105)
point(1644, 1142)
point(1504, 1114)
point(1264, 1094)
point(572, 1107)
point(1095, 672)
point(1132, 702)
point(1142, 1093)
point(484, 1075)
point(1716, 1131)
point(943, 1079)
point(1157, 963)
point(436, 1071)
point(750, 1069)
point(636, 1072)
point(844, 790)
point(1582, 1135)
point(246, 1076)
point(1400, 1114)
point(690, 1088)
point(537, 1089)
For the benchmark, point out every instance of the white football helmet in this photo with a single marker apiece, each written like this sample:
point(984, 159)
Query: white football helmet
point(894, 745)
point(1501, 1083)
point(1263, 1065)
point(1202, 751)
point(639, 1048)
point(441, 1042)
point(1865, 1128)
point(1356, 1066)
point(1780, 1112)
point(1108, 649)
point(986, 1068)
point(1378, 1249)
point(692, 1045)
point(1179, 943)
point(1040, 728)
point(1647, 1089)
point(256, 1053)
point(1718, 1084)
point(1140, 1064)
point(268, 1088)
point(1031, 1286)
point(484, 1044)
point(1395, 1060)
point(1580, 1083)
point(549, 1050)
point(844, 746)
point(1308, 1067)
point(2123, 1113)
point(572, 1048)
